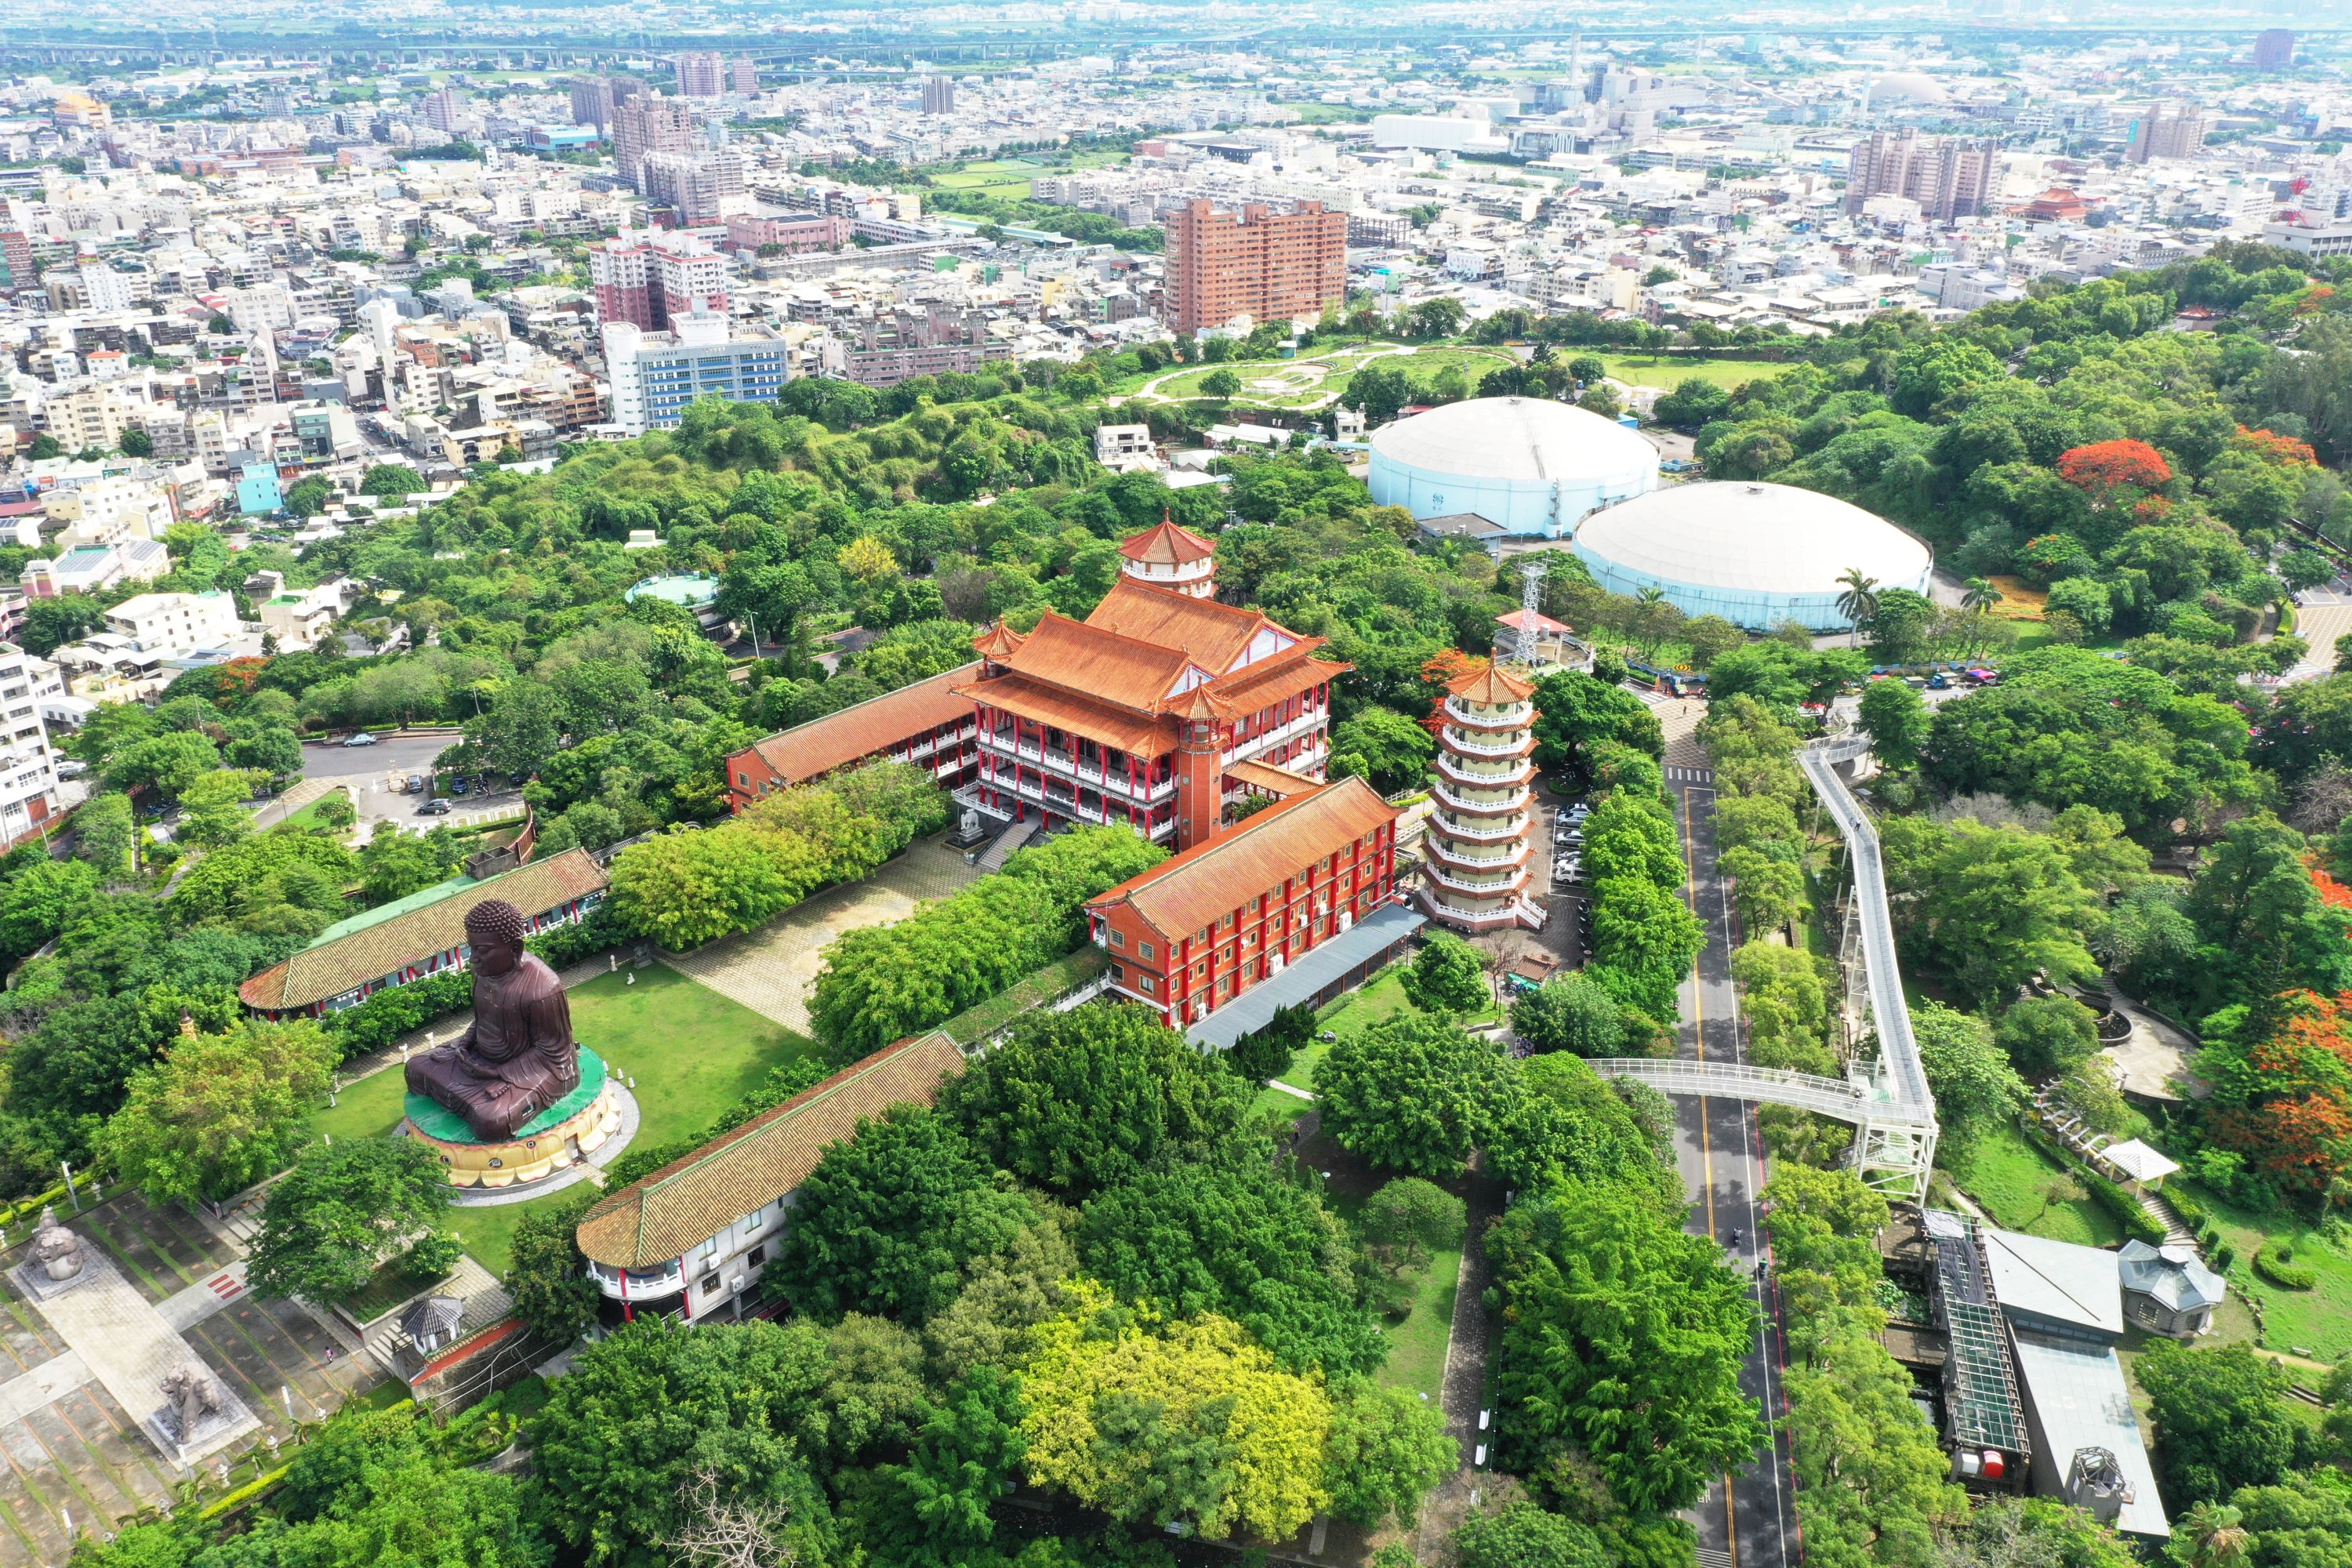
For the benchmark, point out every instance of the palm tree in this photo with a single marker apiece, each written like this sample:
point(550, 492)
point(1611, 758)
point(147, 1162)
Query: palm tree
point(1859, 602)
point(2216, 1538)
point(1978, 595)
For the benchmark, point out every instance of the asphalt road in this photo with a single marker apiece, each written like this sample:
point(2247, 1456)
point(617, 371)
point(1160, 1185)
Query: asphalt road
point(401, 753)
point(1747, 1519)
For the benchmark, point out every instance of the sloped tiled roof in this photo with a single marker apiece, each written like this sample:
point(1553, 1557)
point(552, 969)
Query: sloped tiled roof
point(1189, 891)
point(808, 751)
point(1114, 668)
point(317, 974)
point(1265, 684)
point(1101, 722)
point(1213, 634)
point(999, 641)
point(658, 1218)
point(1279, 782)
point(1167, 544)
point(1491, 685)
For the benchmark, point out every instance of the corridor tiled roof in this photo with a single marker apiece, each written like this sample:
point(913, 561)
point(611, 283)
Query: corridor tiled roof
point(1205, 883)
point(320, 973)
point(658, 1218)
point(811, 750)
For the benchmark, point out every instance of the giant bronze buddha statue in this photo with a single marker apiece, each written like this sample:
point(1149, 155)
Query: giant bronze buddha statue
point(518, 1058)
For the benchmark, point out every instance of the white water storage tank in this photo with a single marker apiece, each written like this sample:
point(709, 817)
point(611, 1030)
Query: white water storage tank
point(1533, 467)
point(1755, 554)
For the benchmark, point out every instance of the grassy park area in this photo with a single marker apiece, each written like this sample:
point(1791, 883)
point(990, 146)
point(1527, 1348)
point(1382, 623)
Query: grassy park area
point(1667, 372)
point(2317, 1321)
point(692, 1052)
point(1009, 178)
point(2022, 1190)
point(1315, 380)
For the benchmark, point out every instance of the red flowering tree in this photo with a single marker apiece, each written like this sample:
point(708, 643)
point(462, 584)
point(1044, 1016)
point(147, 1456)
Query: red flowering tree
point(1442, 670)
point(2284, 451)
point(2115, 472)
point(2285, 1104)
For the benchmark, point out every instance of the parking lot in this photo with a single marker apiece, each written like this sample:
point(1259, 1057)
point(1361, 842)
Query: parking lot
point(378, 777)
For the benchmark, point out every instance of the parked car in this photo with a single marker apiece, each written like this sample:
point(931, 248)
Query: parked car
point(362, 738)
point(416, 783)
point(460, 785)
point(434, 808)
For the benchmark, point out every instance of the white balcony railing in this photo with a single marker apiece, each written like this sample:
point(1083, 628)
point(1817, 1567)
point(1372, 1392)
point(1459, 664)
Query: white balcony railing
point(1251, 746)
point(1490, 888)
point(1065, 766)
point(1482, 774)
point(1472, 745)
point(1067, 806)
point(1484, 916)
point(1478, 827)
point(1470, 856)
point(1513, 798)
point(1518, 714)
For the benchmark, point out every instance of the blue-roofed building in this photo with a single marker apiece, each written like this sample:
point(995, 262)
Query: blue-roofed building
point(257, 491)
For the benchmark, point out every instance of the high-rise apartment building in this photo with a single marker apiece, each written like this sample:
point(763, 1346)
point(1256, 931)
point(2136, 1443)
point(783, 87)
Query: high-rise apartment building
point(15, 261)
point(1259, 263)
point(2273, 49)
point(441, 110)
point(939, 95)
point(2172, 129)
point(650, 281)
point(702, 187)
point(646, 124)
point(656, 376)
point(594, 98)
point(1947, 176)
point(706, 74)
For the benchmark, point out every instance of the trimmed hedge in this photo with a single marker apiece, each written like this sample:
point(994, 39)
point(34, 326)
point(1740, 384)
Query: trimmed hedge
point(2222, 1257)
point(2121, 1207)
point(2191, 1208)
point(2275, 1262)
point(2137, 1223)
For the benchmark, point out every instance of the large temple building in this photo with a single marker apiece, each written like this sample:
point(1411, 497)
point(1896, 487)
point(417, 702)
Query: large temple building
point(1201, 725)
point(1136, 714)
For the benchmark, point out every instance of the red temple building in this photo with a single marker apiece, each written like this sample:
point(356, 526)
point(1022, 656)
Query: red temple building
point(1146, 712)
point(1161, 712)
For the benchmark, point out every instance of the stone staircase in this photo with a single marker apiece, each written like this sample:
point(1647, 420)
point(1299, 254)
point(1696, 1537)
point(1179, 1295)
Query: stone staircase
point(993, 857)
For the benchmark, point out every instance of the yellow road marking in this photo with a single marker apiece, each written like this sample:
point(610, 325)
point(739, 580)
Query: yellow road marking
point(1705, 1141)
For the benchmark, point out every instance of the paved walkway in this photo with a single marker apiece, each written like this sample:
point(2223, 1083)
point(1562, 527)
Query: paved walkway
point(772, 971)
point(119, 1336)
point(75, 1462)
point(2321, 616)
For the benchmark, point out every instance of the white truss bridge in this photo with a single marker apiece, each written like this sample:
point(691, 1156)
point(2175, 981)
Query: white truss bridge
point(1886, 1100)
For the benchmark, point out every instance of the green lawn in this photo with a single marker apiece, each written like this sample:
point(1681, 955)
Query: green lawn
point(1417, 1345)
point(1667, 372)
point(1300, 385)
point(310, 816)
point(2318, 1320)
point(1358, 1010)
point(692, 1052)
point(2014, 1180)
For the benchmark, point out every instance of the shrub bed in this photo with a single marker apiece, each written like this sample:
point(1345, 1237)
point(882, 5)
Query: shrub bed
point(2275, 1262)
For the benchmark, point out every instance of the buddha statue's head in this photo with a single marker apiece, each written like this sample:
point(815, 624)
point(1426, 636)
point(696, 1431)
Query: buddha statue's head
point(495, 930)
